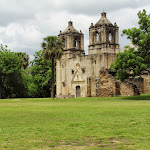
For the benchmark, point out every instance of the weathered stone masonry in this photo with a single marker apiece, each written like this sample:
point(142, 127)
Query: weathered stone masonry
point(80, 75)
point(75, 69)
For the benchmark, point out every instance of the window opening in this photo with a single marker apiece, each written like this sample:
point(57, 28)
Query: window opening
point(76, 43)
point(97, 39)
point(83, 70)
point(72, 71)
point(109, 37)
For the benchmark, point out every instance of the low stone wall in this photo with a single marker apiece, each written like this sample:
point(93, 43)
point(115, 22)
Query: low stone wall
point(146, 84)
point(105, 92)
point(128, 89)
point(139, 82)
point(107, 86)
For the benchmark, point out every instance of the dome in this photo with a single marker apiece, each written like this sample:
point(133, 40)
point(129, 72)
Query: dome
point(103, 20)
point(70, 28)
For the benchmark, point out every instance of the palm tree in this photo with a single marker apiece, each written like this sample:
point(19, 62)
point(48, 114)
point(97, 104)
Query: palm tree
point(52, 49)
point(24, 59)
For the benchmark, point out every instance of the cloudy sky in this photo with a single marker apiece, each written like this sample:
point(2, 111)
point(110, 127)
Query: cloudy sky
point(24, 23)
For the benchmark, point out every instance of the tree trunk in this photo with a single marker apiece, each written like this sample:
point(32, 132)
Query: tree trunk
point(52, 82)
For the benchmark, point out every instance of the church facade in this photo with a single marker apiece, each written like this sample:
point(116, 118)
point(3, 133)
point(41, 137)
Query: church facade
point(77, 74)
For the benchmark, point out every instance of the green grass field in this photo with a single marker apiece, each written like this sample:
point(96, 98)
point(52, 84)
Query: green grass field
point(120, 123)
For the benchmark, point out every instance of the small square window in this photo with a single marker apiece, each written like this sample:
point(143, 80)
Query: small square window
point(72, 71)
point(83, 70)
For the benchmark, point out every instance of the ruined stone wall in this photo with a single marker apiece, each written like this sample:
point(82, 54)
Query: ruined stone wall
point(105, 92)
point(139, 82)
point(146, 84)
point(108, 86)
point(128, 89)
point(93, 84)
point(88, 87)
point(142, 83)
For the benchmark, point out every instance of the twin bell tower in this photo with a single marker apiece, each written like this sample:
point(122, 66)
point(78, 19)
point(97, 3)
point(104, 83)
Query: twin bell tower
point(77, 74)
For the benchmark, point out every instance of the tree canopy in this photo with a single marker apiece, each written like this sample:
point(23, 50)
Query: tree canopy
point(40, 78)
point(24, 59)
point(131, 62)
point(12, 77)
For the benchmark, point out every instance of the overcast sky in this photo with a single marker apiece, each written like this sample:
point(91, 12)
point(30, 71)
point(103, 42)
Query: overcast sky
point(24, 23)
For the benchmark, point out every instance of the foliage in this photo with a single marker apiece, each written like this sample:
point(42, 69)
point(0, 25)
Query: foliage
point(91, 123)
point(12, 76)
point(131, 63)
point(52, 49)
point(39, 80)
point(24, 59)
point(128, 64)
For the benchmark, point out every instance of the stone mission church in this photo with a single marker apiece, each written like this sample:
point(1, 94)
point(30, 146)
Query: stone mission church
point(77, 74)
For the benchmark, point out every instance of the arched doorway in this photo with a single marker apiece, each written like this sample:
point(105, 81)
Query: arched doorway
point(78, 92)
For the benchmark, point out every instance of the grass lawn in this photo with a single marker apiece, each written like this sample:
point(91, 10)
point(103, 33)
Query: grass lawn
point(120, 123)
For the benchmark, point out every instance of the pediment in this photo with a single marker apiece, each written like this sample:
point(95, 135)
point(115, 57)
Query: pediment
point(77, 77)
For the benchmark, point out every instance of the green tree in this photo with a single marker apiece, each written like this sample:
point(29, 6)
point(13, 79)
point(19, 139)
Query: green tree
point(12, 77)
point(52, 49)
point(128, 64)
point(24, 59)
point(131, 62)
point(40, 78)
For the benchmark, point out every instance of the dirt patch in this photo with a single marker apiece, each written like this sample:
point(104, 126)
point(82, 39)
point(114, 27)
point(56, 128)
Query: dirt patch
point(114, 141)
point(86, 143)
point(14, 100)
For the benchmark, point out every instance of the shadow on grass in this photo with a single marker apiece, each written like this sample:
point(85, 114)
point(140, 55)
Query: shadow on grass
point(118, 97)
point(141, 97)
point(79, 99)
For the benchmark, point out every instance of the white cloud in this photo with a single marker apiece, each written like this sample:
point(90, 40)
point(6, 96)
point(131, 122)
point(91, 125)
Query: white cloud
point(23, 24)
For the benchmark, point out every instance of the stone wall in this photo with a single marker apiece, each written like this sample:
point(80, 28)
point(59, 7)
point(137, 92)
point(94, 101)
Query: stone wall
point(146, 84)
point(139, 82)
point(64, 96)
point(105, 92)
point(142, 83)
point(128, 89)
point(107, 85)
point(89, 87)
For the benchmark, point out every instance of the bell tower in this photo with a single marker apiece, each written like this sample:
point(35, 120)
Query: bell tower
point(73, 41)
point(103, 36)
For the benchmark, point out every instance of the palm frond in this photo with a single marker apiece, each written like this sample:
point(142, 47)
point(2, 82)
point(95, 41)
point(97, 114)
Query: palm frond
point(52, 47)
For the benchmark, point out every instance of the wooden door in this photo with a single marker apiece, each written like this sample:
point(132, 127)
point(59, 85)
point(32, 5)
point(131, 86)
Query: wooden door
point(78, 92)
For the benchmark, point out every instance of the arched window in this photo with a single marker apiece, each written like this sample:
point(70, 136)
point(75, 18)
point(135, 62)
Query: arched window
point(97, 37)
point(75, 43)
point(110, 37)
